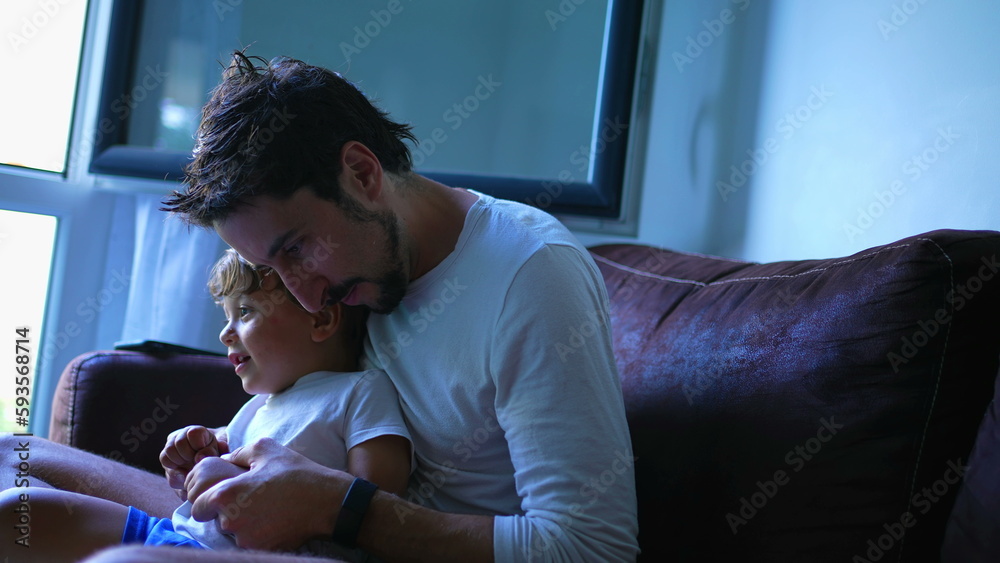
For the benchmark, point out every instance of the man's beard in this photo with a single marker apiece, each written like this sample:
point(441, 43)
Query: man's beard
point(392, 288)
point(393, 280)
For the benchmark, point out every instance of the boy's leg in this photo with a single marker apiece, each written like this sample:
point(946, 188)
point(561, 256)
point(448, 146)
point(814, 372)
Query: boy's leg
point(70, 469)
point(49, 525)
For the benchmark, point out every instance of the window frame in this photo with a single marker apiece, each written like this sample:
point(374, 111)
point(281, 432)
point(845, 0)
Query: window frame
point(600, 198)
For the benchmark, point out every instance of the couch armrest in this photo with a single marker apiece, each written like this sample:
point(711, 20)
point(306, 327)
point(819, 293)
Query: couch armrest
point(122, 405)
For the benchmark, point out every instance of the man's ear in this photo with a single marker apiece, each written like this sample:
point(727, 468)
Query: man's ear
point(326, 321)
point(361, 171)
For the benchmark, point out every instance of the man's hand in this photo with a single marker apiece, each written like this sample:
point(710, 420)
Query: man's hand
point(281, 502)
point(185, 448)
point(209, 472)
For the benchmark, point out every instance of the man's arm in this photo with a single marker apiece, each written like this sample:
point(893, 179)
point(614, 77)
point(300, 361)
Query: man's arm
point(163, 554)
point(265, 509)
point(559, 402)
point(397, 530)
point(70, 469)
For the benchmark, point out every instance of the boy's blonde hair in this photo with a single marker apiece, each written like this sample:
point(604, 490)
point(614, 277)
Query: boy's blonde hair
point(232, 275)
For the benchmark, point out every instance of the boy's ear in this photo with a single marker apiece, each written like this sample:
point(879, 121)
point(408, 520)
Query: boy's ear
point(326, 321)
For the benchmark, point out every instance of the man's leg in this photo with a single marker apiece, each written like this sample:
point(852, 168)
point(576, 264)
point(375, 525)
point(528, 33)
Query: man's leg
point(70, 469)
point(173, 554)
point(49, 525)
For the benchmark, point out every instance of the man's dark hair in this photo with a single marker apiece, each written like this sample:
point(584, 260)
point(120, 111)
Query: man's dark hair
point(272, 128)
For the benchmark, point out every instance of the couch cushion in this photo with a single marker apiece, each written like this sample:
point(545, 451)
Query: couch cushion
point(815, 410)
point(135, 399)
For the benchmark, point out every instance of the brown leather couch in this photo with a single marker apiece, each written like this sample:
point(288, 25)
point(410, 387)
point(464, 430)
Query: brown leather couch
point(816, 410)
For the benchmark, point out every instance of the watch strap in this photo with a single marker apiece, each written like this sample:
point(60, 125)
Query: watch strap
point(352, 512)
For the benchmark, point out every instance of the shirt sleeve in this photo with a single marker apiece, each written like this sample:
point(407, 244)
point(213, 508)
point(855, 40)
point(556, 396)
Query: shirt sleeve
point(374, 411)
point(560, 405)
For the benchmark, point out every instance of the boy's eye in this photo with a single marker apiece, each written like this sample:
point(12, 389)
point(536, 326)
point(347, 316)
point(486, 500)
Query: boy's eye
point(244, 311)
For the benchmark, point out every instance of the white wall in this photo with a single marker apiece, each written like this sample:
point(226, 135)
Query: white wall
point(705, 91)
point(897, 140)
point(901, 147)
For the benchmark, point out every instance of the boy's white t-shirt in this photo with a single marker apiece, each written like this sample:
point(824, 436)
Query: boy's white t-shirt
point(322, 416)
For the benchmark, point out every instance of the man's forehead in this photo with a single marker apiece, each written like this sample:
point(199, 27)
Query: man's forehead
point(259, 208)
point(250, 234)
point(259, 224)
point(259, 241)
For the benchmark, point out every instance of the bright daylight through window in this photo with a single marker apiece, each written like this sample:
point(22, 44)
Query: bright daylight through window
point(41, 56)
point(26, 244)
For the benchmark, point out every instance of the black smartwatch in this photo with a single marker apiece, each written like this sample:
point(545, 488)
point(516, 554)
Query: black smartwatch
point(352, 512)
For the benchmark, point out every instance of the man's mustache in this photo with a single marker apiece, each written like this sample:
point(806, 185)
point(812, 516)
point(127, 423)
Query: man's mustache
point(337, 294)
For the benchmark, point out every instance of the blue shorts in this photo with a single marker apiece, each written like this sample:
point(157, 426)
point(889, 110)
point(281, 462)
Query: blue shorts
point(149, 530)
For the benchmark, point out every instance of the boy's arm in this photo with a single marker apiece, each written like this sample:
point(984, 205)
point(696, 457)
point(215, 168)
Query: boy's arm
point(383, 460)
point(379, 448)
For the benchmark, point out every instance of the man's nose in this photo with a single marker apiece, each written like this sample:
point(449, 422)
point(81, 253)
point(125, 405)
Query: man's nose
point(309, 291)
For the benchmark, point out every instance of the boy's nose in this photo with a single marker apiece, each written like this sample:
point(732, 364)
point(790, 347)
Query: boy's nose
point(228, 335)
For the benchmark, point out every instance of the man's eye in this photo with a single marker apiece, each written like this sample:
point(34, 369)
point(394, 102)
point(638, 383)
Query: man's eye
point(293, 250)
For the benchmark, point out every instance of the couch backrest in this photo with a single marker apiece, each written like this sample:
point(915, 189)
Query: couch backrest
point(124, 404)
point(804, 411)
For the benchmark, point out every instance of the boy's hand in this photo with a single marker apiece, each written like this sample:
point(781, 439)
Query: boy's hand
point(185, 448)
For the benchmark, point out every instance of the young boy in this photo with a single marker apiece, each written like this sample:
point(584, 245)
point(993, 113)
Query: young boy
point(301, 367)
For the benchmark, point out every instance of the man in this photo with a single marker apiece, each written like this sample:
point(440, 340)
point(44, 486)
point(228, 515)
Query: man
point(492, 323)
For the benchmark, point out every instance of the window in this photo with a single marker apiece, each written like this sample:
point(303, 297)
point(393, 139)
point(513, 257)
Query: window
point(26, 244)
point(38, 104)
point(525, 100)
